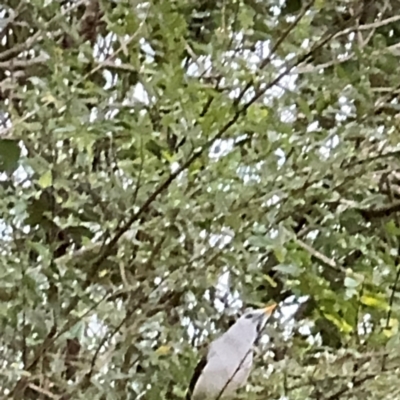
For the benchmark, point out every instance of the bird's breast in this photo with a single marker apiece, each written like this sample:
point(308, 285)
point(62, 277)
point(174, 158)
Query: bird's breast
point(226, 370)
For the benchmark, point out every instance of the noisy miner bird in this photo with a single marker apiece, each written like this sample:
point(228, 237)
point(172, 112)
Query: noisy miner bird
point(228, 362)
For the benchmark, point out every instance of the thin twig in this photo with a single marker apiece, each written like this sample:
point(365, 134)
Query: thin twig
point(122, 48)
point(139, 178)
point(319, 256)
point(373, 30)
point(43, 391)
point(365, 27)
point(346, 388)
point(22, 63)
point(285, 34)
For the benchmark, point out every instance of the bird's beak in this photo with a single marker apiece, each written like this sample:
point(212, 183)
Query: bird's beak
point(263, 316)
point(270, 309)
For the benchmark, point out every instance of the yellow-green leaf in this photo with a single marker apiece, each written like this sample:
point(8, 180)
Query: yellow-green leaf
point(280, 254)
point(389, 332)
point(270, 281)
point(103, 273)
point(391, 328)
point(374, 302)
point(339, 322)
point(46, 179)
point(168, 156)
point(163, 350)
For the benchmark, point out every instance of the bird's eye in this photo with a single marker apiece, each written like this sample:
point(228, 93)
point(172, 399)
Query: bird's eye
point(249, 316)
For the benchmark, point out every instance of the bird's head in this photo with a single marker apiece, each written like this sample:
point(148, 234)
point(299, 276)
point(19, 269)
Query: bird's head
point(253, 321)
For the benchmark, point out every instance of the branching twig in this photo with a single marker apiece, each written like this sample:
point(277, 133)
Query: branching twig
point(274, 49)
point(164, 185)
point(366, 27)
point(38, 35)
point(337, 395)
point(51, 337)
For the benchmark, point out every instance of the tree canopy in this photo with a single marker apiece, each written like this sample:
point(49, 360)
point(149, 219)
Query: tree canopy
point(165, 164)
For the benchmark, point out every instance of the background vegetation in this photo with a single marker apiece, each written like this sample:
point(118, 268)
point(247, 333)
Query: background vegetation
point(165, 163)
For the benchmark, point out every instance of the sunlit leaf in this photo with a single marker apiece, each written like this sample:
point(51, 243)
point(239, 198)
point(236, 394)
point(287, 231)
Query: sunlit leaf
point(339, 322)
point(163, 350)
point(374, 301)
point(46, 179)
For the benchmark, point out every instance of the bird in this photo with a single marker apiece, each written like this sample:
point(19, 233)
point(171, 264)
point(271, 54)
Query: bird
point(227, 365)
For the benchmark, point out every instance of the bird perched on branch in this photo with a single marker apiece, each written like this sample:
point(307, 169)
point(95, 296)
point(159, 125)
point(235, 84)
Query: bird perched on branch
point(228, 362)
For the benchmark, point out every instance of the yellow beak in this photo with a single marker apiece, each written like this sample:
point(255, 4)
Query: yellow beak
point(270, 309)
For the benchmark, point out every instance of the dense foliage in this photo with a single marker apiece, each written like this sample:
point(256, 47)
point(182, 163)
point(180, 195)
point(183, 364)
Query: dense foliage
point(165, 164)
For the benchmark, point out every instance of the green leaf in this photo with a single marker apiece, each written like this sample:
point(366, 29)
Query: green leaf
point(77, 330)
point(9, 155)
point(287, 269)
point(280, 253)
point(260, 241)
point(392, 228)
point(42, 250)
point(390, 328)
point(350, 282)
point(394, 342)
